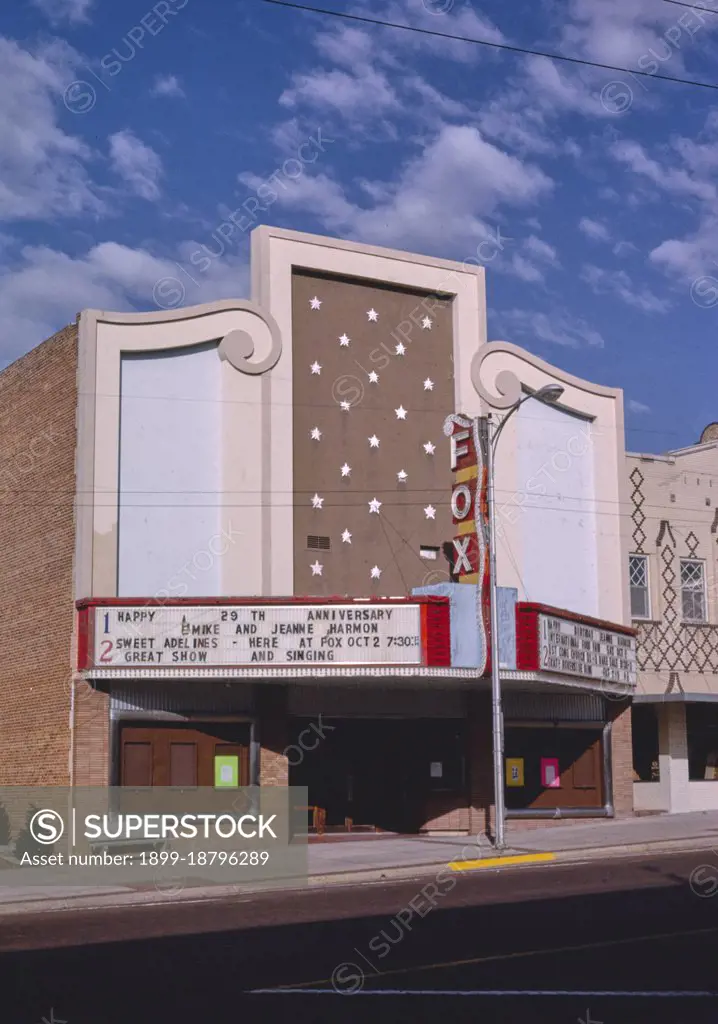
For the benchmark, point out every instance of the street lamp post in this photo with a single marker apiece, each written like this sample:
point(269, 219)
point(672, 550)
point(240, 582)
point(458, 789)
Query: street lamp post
point(549, 394)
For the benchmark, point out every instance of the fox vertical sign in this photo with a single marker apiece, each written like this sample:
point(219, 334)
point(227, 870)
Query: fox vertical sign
point(469, 509)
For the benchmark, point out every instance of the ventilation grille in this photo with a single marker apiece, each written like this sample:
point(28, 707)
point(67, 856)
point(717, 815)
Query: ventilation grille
point(569, 707)
point(181, 697)
point(318, 543)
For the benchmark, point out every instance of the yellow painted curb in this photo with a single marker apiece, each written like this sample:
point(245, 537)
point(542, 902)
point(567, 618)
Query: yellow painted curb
point(497, 862)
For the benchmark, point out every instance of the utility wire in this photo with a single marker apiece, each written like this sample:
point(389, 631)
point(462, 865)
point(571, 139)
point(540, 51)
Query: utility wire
point(486, 42)
point(691, 7)
point(336, 404)
point(440, 495)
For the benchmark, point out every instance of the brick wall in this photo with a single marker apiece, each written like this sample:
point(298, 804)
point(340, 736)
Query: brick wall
point(271, 707)
point(480, 758)
point(38, 398)
point(622, 756)
point(91, 746)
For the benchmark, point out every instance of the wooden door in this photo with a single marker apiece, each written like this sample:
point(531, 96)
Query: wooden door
point(579, 753)
point(169, 755)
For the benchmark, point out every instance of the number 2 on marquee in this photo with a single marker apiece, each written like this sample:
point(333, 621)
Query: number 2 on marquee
point(107, 647)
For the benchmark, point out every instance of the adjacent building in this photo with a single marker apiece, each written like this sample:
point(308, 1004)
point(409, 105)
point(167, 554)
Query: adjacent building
point(250, 538)
point(673, 515)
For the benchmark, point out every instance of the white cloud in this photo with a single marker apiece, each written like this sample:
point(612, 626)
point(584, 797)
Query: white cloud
point(42, 167)
point(464, 22)
point(627, 33)
point(637, 407)
point(567, 90)
point(44, 288)
point(623, 248)
point(58, 11)
point(670, 179)
point(346, 45)
point(520, 267)
point(692, 256)
point(529, 263)
point(137, 164)
point(437, 203)
point(356, 96)
point(433, 100)
point(541, 250)
point(688, 170)
point(167, 85)
point(558, 328)
point(594, 230)
point(349, 45)
point(618, 283)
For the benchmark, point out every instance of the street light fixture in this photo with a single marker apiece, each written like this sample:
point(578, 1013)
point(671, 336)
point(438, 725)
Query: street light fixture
point(549, 394)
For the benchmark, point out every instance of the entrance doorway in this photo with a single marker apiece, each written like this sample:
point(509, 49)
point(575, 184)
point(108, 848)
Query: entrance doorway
point(172, 754)
point(379, 774)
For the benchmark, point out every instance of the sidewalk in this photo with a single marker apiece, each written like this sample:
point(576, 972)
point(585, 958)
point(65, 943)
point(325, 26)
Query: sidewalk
point(353, 861)
point(696, 830)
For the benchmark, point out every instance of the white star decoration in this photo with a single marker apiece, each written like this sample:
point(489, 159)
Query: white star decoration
point(345, 406)
point(401, 476)
point(315, 303)
point(400, 349)
point(316, 569)
point(374, 505)
point(430, 512)
point(316, 367)
point(344, 341)
point(429, 448)
point(346, 537)
point(315, 434)
point(373, 441)
point(373, 377)
point(428, 384)
point(426, 323)
point(346, 470)
point(317, 502)
point(372, 315)
point(400, 413)
point(375, 573)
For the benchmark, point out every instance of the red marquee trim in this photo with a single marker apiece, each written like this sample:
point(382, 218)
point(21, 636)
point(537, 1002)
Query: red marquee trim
point(527, 630)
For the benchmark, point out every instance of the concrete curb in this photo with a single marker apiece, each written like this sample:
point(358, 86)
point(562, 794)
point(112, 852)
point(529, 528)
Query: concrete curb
point(212, 894)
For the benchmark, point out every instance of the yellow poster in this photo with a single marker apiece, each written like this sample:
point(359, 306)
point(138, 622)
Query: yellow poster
point(514, 771)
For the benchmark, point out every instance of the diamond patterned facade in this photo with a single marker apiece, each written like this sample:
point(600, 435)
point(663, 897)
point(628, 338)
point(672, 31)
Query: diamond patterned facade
point(670, 645)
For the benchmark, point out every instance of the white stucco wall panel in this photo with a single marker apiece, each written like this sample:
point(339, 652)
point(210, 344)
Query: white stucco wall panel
point(219, 402)
point(561, 487)
point(556, 474)
point(170, 473)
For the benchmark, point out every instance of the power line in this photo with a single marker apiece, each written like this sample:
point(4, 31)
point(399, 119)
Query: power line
point(334, 404)
point(691, 7)
point(436, 494)
point(486, 42)
point(352, 506)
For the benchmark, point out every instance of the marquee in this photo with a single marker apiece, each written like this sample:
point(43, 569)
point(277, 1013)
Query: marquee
point(294, 634)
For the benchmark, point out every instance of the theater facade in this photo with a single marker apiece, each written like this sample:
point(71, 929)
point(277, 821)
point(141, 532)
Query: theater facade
point(279, 554)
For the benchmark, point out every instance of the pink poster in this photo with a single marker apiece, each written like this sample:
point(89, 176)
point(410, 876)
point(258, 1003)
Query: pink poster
point(549, 772)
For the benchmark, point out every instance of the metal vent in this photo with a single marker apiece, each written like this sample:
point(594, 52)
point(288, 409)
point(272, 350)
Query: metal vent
point(552, 707)
point(181, 697)
point(431, 553)
point(318, 543)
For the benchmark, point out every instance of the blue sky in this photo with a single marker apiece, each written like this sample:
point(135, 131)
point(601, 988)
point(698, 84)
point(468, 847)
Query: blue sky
point(129, 133)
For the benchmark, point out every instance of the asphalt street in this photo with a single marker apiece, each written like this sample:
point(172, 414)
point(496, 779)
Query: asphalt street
point(620, 940)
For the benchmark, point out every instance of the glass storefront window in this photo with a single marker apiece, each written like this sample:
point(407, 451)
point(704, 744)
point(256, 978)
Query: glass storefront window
point(644, 727)
point(702, 732)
